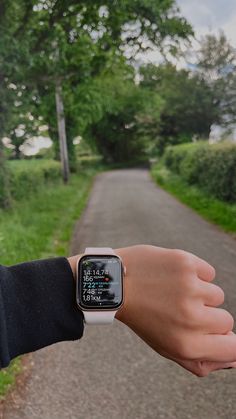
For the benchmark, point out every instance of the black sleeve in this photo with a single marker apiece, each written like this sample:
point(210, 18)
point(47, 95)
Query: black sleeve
point(37, 307)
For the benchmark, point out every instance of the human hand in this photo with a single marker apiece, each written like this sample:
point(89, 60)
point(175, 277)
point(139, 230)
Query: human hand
point(171, 303)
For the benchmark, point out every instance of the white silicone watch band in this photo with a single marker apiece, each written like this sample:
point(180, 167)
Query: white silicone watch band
point(99, 251)
point(99, 317)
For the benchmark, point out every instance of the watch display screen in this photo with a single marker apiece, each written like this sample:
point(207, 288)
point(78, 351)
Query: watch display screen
point(100, 282)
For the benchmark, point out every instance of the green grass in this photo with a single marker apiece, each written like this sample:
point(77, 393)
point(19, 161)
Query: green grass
point(8, 376)
point(212, 209)
point(27, 176)
point(40, 227)
point(30, 164)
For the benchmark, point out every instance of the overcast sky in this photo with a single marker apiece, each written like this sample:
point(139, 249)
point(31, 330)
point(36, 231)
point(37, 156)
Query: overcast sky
point(210, 16)
point(205, 16)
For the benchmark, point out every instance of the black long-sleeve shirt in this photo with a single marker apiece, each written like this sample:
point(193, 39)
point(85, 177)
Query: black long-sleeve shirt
point(37, 307)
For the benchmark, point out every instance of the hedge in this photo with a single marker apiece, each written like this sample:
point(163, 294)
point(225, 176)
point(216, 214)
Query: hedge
point(26, 177)
point(212, 167)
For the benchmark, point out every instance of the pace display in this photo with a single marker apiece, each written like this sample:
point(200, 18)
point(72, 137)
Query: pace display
point(100, 282)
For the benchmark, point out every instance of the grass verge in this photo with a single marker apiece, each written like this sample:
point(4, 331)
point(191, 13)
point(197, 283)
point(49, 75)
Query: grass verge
point(8, 376)
point(41, 227)
point(214, 210)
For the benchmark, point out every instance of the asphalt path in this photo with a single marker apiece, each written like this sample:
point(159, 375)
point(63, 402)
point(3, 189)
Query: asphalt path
point(111, 373)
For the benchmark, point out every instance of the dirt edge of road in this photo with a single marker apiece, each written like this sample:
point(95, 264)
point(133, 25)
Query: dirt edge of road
point(15, 394)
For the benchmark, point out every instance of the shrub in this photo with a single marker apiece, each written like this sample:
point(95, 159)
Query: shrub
point(212, 167)
point(25, 177)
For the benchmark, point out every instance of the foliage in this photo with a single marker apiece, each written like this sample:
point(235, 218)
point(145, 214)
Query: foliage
point(215, 57)
point(196, 99)
point(212, 209)
point(216, 65)
point(25, 177)
point(49, 215)
point(123, 133)
point(188, 109)
point(47, 41)
point(211, 167)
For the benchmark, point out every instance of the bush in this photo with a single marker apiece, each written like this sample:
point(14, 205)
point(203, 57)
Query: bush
point(25, 177)
point(212, 167)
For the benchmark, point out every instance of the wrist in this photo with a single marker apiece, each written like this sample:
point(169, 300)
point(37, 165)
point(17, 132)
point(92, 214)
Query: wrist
point(121, 313)
point(73, 260)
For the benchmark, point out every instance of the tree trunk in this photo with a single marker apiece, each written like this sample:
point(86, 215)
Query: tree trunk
point(62, 132)
point(17, 153)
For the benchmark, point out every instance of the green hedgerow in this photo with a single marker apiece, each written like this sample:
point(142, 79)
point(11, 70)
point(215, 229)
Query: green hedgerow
point(212, 167)
point(24, 177)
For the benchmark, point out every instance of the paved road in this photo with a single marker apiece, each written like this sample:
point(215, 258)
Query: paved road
point(111, 374)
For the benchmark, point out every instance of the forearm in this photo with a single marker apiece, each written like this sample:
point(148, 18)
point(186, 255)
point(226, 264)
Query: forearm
point(37, 306)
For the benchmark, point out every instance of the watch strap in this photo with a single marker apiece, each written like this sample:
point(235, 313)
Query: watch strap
point(99, 317)
point(93, 316)
point(99, 251)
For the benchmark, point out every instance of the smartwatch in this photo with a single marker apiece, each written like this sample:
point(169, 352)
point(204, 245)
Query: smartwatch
point(99, 285)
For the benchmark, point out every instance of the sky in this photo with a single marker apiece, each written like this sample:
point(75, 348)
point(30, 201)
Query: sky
point(210, 16)
point(205, 16)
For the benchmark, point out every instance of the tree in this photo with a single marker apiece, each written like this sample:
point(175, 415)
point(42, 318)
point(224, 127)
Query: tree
point(6, 96)
point(123, 130)
point(188, 109)
point(54, 47)
point(216, 65)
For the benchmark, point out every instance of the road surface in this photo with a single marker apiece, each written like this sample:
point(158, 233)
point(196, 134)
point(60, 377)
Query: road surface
point(111, 373)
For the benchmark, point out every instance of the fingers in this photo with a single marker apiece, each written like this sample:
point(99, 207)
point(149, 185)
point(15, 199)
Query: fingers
point(216, 320)
point(217, 348)
point(212, 294)
point(203, 368)
point(205, 271)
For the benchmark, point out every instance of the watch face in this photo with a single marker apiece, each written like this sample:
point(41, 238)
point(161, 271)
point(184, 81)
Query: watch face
point(100, 282)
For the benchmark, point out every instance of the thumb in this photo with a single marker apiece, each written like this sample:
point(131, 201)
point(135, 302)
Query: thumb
point(203, 368)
